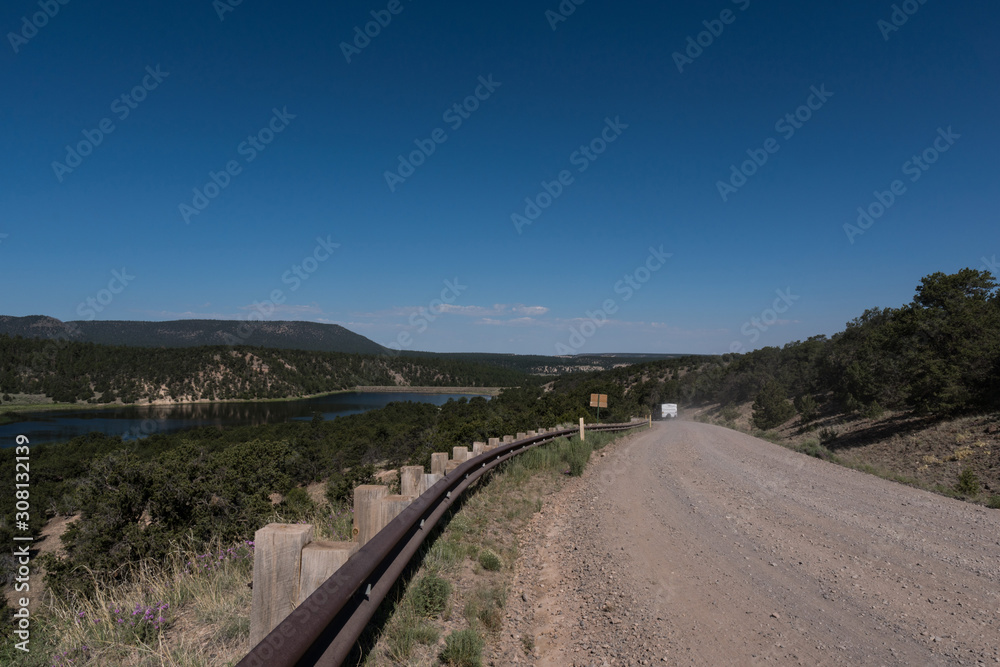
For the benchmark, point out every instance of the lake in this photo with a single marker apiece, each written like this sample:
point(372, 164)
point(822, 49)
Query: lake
point(138, 421)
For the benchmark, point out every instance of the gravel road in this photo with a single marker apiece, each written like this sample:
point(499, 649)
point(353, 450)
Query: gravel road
point(693, 544)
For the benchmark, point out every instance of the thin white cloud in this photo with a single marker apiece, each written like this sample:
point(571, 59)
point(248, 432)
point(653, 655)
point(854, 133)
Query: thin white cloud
point(496, 310)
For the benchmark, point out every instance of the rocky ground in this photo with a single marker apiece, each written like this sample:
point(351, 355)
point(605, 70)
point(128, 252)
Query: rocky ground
point(694, 544)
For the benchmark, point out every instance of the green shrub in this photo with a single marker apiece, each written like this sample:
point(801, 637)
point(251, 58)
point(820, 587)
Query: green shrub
point(489, 560)
point(872, 411)
point(729, 414)
point(968, 483)
point(463, 649)
point(770, 408)
point(297, 504)
point(993, 502)
point(577, 459)
point(827, 435)
point(806, 406)
point(340, 486)
point(816, 450)
point(430, 595)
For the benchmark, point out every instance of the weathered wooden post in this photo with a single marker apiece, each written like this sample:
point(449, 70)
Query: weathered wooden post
point(277, 558)
point(521, 435)
point(392, 506)
point(493, 444)
point(439, 460)
point(478, 448)
point(460, 454)
point(452, 465)
point(507, 439)
point(409, 480)
point(429, 480)
point(368, 511)
point(320, 560)
point(582, 436)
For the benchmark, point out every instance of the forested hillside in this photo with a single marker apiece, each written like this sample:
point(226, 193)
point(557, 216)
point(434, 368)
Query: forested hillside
point(69, 372)
point(938, 355)
point(194, 333)
point(137, 499)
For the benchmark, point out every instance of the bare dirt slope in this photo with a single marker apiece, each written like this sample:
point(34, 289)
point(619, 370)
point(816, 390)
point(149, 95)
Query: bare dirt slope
point(695, 544)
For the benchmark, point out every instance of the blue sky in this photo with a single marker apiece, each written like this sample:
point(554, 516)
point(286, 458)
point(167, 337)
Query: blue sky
point(608, 118)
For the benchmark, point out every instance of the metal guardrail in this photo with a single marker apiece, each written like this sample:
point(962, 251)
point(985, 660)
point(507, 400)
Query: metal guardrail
point(325, 627)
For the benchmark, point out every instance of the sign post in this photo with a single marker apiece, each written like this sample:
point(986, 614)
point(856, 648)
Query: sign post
point(598, 401)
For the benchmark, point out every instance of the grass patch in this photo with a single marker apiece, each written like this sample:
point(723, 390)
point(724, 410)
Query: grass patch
point(463, 649)
point(464, 575)
point(195, 602)
point(489, 561)
point(485, 607)
point(429, 597)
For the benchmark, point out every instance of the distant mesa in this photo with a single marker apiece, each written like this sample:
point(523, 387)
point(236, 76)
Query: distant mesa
point(311, 336)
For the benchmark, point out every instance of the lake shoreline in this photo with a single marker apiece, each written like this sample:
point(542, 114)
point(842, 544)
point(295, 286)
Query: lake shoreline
point(58, 407)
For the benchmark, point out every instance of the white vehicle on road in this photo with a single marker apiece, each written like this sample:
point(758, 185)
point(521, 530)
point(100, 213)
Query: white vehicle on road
point(668, 411)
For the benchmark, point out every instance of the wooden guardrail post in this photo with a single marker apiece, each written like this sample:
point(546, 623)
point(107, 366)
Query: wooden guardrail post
point(428, 481)
point(392, 506)
point(409, 480)
point(451, 466)
point(521, 435)
point(507, 439)
point(478, 448)
point(460, 454)
point(368, 511)
point(493, 444)
point(438, 462)
point(582, 436)
point(320, 559)
point(277, 560)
